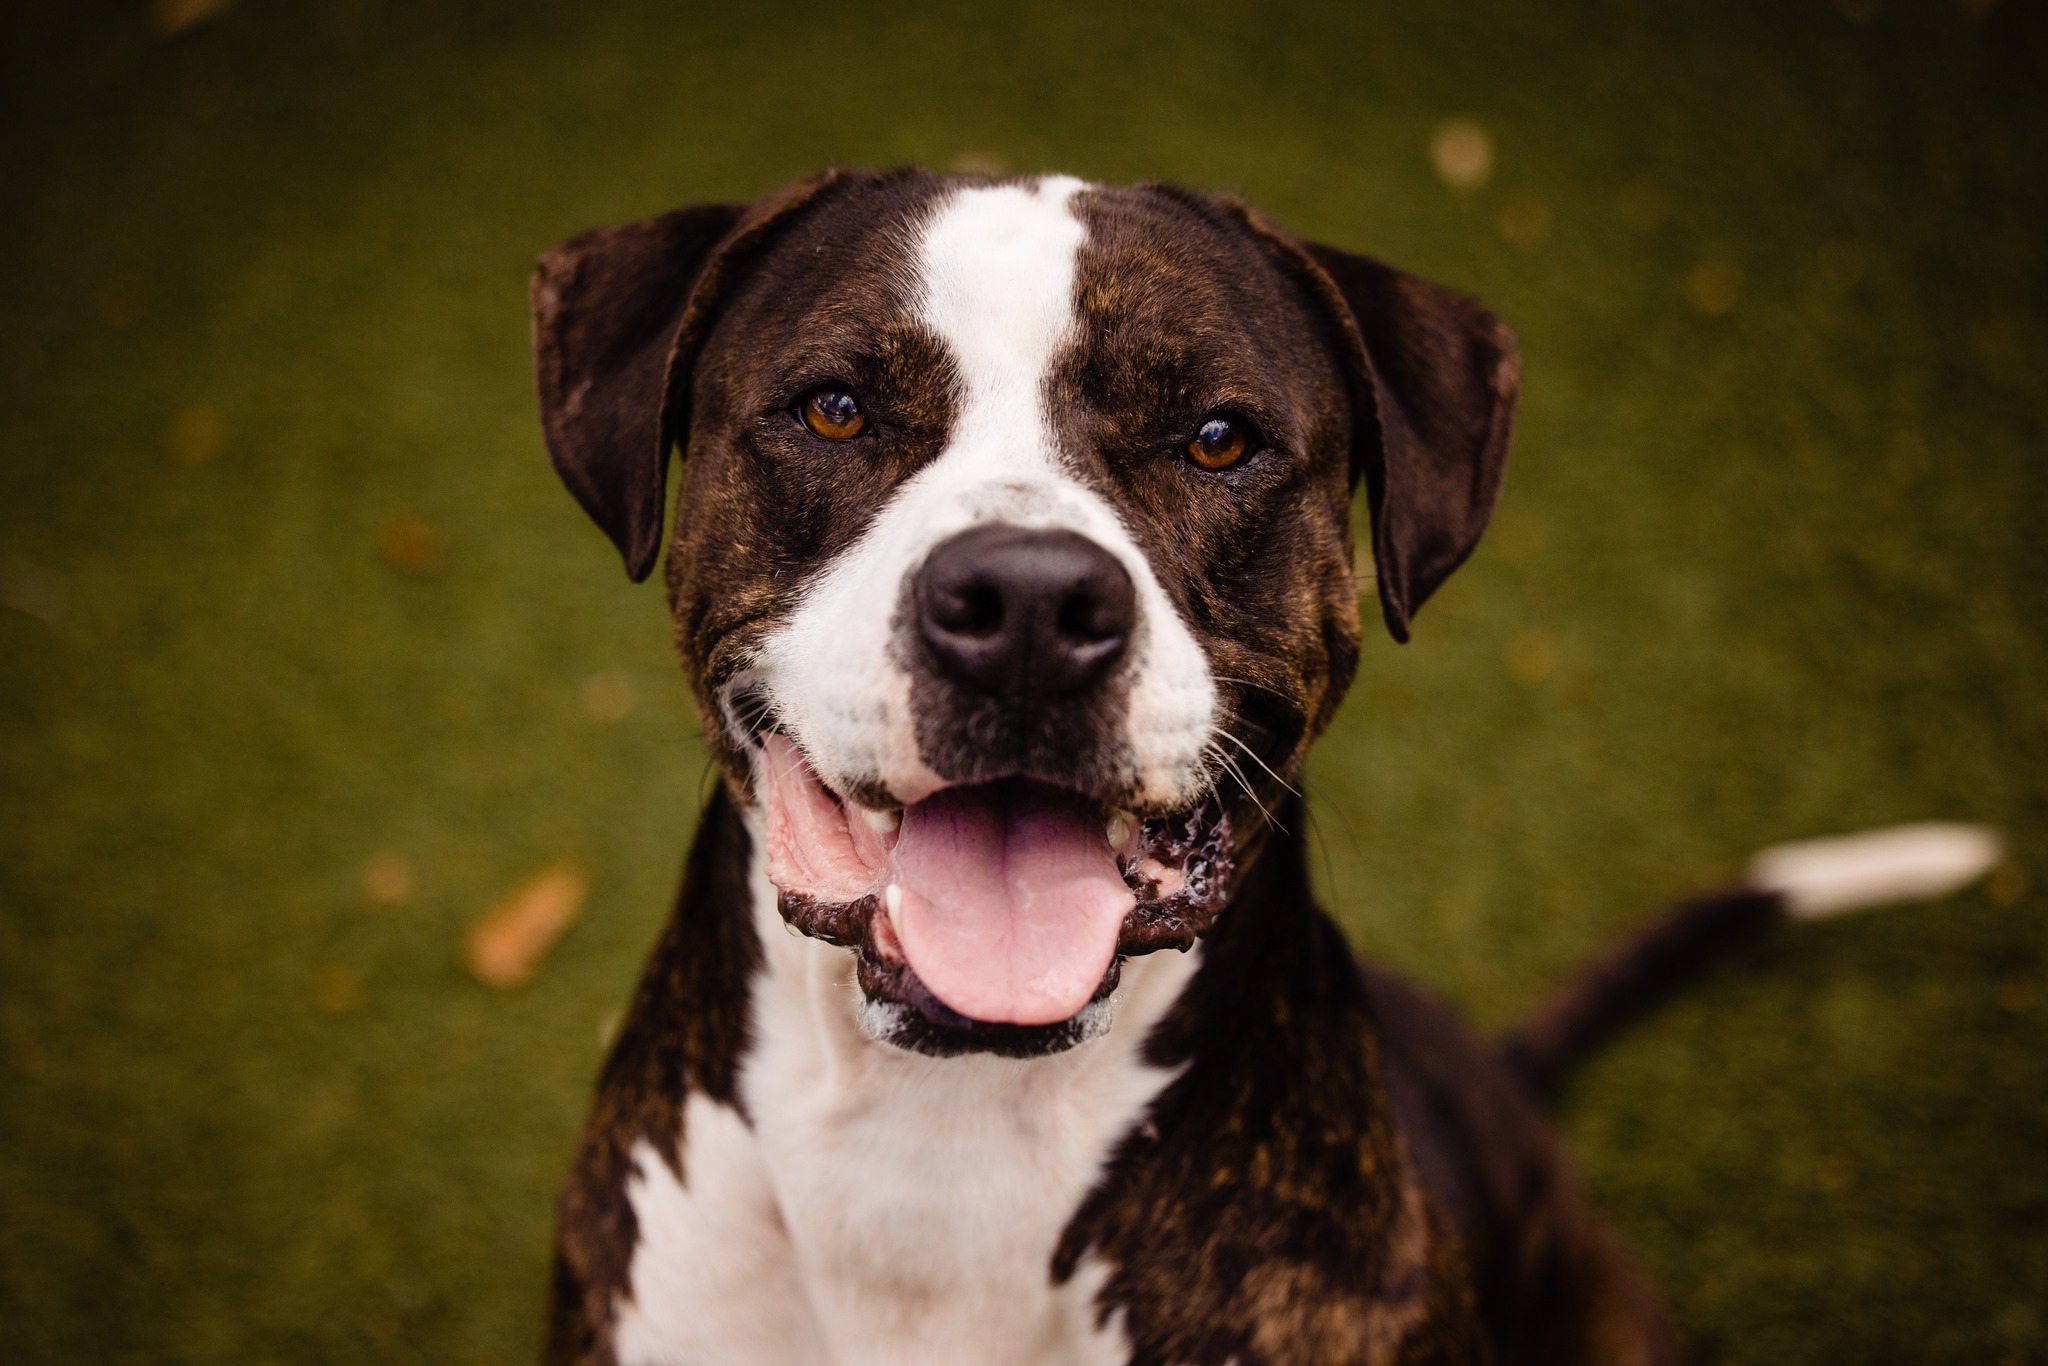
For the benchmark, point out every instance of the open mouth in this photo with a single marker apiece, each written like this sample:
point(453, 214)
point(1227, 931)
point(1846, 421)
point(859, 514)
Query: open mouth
point(1003, 908)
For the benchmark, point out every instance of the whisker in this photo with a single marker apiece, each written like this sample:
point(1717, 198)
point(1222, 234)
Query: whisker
point(1233, 714)
point(1248, 683)
point(1218, 730)
point(1230, 766)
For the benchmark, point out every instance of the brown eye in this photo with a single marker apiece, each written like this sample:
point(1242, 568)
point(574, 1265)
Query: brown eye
point(834, 414)
point(1220, 443)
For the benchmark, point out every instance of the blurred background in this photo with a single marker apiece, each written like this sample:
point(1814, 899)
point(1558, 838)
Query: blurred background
point(344, 779)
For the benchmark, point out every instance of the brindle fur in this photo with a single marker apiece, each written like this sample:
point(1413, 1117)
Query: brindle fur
point(685, 1030)
point(1339, 1174)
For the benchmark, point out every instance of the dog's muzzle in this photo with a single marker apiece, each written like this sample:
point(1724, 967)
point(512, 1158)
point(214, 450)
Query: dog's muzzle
point(992, 909)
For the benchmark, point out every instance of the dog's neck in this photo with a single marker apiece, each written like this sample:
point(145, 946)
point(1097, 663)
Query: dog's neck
point(1061, 1208)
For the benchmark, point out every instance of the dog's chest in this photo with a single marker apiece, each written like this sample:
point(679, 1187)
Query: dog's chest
point(883, 1207)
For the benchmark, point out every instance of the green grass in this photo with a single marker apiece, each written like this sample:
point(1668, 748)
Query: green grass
point(1756, 576)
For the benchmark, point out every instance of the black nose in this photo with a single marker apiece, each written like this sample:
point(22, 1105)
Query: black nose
point(1023, 613)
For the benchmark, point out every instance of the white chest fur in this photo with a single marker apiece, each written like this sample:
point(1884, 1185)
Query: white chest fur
point(884, 1209)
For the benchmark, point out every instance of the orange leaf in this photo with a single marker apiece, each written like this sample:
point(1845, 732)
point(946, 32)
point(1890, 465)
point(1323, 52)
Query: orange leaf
point(506, 946)
point(410, 544)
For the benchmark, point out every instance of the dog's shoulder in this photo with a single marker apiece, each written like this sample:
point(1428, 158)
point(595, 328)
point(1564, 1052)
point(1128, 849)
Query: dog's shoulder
point(1551, 1285)
point(1270, 1211)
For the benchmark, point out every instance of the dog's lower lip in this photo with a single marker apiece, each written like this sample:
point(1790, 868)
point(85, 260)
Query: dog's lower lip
point(898, 983)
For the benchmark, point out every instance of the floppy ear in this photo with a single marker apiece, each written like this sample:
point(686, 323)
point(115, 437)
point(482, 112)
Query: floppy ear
point(1435, 377)
point(619, 315)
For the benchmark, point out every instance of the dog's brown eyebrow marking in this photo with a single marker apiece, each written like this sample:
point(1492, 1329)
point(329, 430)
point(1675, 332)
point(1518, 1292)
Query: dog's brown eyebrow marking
point(897, 368)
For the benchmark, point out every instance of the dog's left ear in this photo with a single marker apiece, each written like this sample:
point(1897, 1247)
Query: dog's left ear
point(1434, 380)
point(619, 315)
point(1441, 373)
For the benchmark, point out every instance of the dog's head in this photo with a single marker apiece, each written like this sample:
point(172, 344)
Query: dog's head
point(1012, 563)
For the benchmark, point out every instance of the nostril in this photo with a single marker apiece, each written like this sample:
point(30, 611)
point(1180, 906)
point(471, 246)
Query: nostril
point(975, 609)
point(1086, 617)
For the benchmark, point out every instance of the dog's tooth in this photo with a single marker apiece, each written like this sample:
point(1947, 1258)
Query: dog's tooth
point(1118, 826)
point(885, 821)
point(892, 903)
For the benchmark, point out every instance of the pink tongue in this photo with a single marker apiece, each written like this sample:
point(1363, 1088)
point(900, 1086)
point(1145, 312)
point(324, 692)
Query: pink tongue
point(1011, 901)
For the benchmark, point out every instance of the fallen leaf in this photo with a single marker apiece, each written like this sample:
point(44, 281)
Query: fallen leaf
point(175, 18)
point(388, 880)
point(338, 990)
point(1715, 288)
point(506, 946)
point(1906, 456)
point(410, 544)
point(1524, 222)
point(1835, 1173)
point(1645, 205)
point(196, 435)
point(1462, 152)
point(610, 696)
point(1531, 657)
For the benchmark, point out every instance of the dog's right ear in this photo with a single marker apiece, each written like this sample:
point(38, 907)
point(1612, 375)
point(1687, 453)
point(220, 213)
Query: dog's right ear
point(619, 315)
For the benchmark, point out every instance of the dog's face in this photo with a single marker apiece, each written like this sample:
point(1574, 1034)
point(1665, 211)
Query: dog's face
point(1012, 562)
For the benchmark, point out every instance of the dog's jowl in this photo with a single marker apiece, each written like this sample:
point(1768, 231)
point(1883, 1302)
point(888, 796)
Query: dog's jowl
point(1012, 571)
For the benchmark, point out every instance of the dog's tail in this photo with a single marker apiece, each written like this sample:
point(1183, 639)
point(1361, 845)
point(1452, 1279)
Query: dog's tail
point(1810, 880)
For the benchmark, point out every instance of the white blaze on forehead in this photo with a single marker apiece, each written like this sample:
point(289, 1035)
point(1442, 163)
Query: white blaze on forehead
point(996, 270)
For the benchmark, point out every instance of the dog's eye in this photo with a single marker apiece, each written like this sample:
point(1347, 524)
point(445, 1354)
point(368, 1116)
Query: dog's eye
point(1220, 443)
point(834, 414)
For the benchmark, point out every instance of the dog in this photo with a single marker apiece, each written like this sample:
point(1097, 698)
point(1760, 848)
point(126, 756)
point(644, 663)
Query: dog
point(1012, 573)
